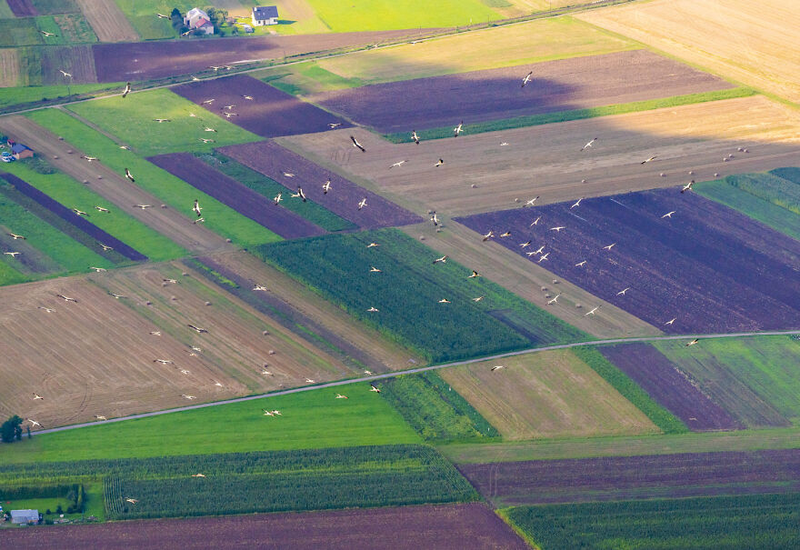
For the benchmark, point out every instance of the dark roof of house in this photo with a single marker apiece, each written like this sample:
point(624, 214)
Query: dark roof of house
point(265, 12)
point(18, 148)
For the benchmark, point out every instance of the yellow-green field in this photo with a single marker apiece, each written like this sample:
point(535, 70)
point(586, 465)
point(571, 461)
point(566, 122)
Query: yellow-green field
point(549, 394)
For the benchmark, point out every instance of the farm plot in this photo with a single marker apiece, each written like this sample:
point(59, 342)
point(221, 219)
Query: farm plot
point(634, 477)
point(755, 379)
point(153, 185)
point(387, 281)
point(50, 7)
point(714, 34)
point(84, 231)
point(744, 521)
point(9, 67)
point(269, 113)
point(480, 96)
point(551, 394)
point(308, 420)
point(148, 60)
point(480, 174)
point(22, 8)
point(740, 276)
point(122, 227)
point(304, 312)
point(107, 21)
point(19, 32)
point(260, 209)
point(458, 525)
point(76, 60)
point(275, 161)
point(133, 118)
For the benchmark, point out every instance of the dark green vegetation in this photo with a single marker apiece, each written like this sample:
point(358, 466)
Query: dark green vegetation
point(173, 191)
point(434, 409)
point(313, 419)
point(11, 429)
point(407, 293)
point(660, 416)
point(269, 188)
point(745, 521)
point(576, 114)
point(23, 95)
point(770, 187)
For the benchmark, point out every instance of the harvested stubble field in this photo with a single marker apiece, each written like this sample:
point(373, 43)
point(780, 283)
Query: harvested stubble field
point(755, 522)
point(547, 161)
point(755, 43)
point(108, 21)
point(230, 192)
point(671, 387)
point(273, 160)
point(576, 83)
point(153, 186)
point(270, 113)
point(739, 276)
point(458, 526)
point(627, 478)
point(148, 60)
point(755, 379)
point(310, 316)
point(550, 394)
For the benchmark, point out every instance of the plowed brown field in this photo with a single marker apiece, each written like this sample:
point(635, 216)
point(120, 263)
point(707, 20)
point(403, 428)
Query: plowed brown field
point(108, 21)
point(547, 161)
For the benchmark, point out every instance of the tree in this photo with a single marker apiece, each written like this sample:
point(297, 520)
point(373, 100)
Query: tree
point(177, 21)
point(11, 429)
point(217, 16)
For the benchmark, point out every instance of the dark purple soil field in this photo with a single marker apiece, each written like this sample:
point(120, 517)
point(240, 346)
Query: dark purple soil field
point(623, 478)
point(670, 387)
point(272, 160)
point(709, 267)
point(270, 113)
point(22, 8)
point(478, 96)
point(454, 527)
point(244, 200)
point(159, 59)
point(69, 216)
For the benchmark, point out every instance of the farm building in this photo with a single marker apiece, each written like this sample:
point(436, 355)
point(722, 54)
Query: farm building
point(197, 19)
point(19, 150)
point(24, 516)
point(265, 15)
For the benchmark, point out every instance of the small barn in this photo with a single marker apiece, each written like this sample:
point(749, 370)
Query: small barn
point(19, 150)
point(265, 15)
point(197, 19)
point(24, 516)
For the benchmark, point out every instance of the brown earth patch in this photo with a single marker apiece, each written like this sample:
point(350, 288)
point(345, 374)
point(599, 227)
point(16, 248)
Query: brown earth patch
point(107, 21)
point(9, 67)
point(76, 60)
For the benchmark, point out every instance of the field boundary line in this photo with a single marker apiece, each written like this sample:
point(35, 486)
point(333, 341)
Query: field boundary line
point(383, 376)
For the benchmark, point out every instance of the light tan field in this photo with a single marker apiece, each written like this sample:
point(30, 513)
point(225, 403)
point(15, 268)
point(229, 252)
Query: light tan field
point(757, 43)
point(112, 186)
point(519, 8)
point(526, 279)
point(549, 394)
point(547, 161)
point(378, 353)
point(9, 68)
point(108, 21)
point(97, 356)
point(543, 40)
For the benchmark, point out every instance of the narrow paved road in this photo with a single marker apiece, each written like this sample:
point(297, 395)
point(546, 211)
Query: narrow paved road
point(373, 378)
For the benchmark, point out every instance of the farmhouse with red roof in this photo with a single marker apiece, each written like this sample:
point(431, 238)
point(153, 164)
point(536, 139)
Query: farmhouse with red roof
point(197, 19)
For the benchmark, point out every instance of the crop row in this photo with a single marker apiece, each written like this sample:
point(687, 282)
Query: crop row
point(408, 294)
point(434, 409)
point(754, 522)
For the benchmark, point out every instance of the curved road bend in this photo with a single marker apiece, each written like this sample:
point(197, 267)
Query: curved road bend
point(421, 369)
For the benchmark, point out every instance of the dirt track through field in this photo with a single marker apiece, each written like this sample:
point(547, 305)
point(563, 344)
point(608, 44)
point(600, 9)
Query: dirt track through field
point(107, 21)
point(546, 161)
point(113, 186)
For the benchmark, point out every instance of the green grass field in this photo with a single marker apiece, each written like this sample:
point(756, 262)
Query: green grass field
point(577, 114)
point(46, 7)
point(75, 29)
point(29, 94)
point(778, 218)
point(374, 15)
point(9, 274)
point(5, 11)
point(268, 187)
point(766, 522)
point(307, 78)
point(771, 187)
point(20, 32)
point(124, 227)
point(434, 409)
point(314, 419)
point(407, 292)
point(131, 120)
point(142, 15)
point(756, 379)
point(171, 190)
